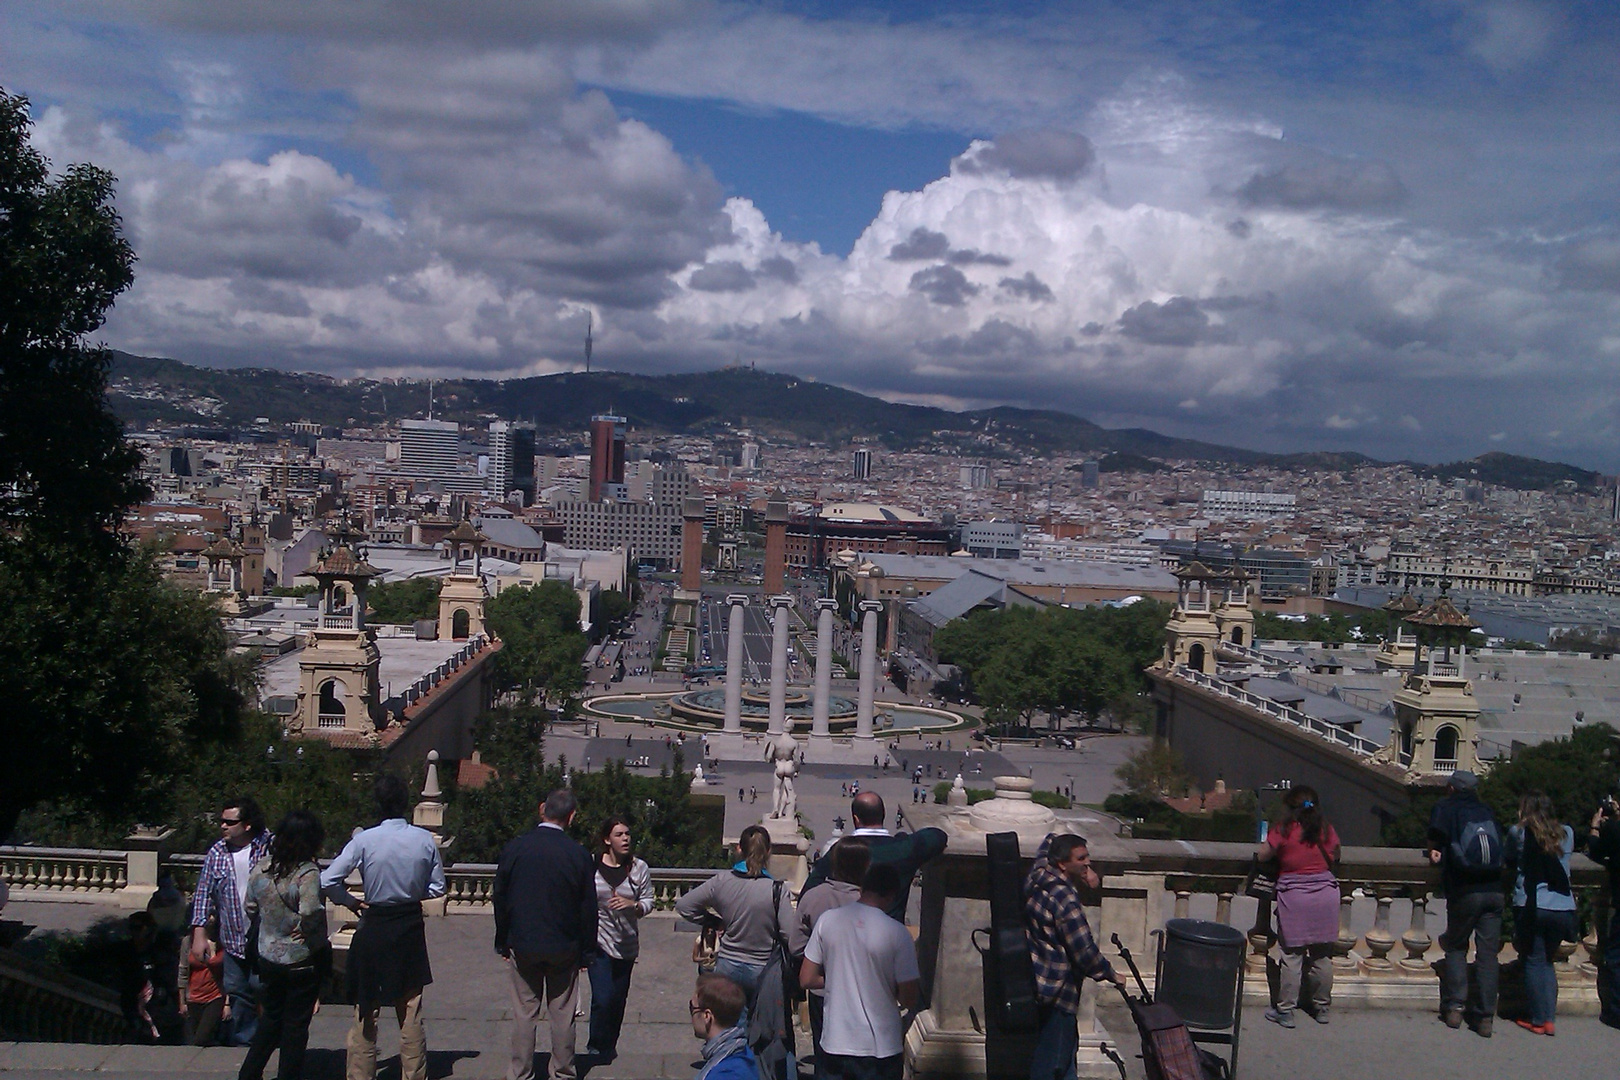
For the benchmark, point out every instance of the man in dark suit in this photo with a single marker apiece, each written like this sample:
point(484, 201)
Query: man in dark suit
point(907, 852)
point(545, 927)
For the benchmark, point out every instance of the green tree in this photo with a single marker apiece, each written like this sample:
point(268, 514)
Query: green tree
point(404, 601)
point(612, 606)
point(542, 647)
point(1577, 772)
point(1154, 770)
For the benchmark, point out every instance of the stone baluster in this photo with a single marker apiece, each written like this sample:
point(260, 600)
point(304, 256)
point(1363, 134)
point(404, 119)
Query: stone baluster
point(1343, 960)
point(1564, 967)
point(1589, 943)
point(1260, 938)
point(1183, 903)
point(1379, 940)
point(1416, 940)
point(1223, 908)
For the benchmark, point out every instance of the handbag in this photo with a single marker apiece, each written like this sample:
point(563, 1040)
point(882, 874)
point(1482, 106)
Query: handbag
point(1261, 883)
point(791, 990)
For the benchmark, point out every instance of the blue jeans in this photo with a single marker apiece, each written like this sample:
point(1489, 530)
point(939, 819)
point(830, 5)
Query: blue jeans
point(1477, 915)
point(1537, 940)
point(745, 976)
point(1609, 970)
point(610, 989)
point(1055, 1046)
point(241, 988)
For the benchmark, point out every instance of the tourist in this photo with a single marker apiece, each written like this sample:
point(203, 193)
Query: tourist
point(146, 982)
point(750, 907)
point(207, 1008)
point(623, 895)
point(717, 1011)
point(221, 890)
point(1305, 847)
point(1062, 951)
point(294, 957)
point(1466, 843)
point(1537, 852)
point(851, 857)
point(866, 963)
point(546, 920)
point(907, 852)
point(399, 868)
point(1603, 844)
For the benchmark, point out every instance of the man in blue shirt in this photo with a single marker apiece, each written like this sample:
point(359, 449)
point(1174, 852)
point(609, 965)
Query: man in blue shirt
point(716, 1007)
point(399, 867)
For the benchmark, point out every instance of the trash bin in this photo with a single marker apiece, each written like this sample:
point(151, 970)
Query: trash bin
point(1198, 972)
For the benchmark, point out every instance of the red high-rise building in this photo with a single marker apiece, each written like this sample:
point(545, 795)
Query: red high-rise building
point(607, 453)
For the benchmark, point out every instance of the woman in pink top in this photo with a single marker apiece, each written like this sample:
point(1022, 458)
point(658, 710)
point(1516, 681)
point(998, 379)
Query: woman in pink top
point(1305, 847)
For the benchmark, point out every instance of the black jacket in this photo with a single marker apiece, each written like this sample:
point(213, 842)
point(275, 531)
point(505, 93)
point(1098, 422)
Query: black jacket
point(1605, 849)
point(545, 896)
point(1446, 822)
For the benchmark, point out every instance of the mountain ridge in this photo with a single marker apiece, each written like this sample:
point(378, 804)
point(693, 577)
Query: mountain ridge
point(715, 403)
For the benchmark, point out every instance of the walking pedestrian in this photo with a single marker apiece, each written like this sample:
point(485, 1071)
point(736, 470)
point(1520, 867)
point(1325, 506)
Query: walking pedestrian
point(294, 958)
point(623, 895)
point(750, 907)
point(851, 857)
point(399, 868)
point(1305, 847)
point(1466, 842)
point(546, 922)
point(221, 892)
point(1537, 851)
point(717, 1009)
point(1062, 951)
point(908, 852)
point(867, 965)
point(1603, 844)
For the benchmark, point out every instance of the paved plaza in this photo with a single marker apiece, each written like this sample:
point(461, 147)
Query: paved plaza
point(468, 1020)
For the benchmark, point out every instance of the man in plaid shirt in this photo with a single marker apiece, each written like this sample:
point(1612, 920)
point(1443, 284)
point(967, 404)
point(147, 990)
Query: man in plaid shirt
point(221, 892)
point(1061, 950)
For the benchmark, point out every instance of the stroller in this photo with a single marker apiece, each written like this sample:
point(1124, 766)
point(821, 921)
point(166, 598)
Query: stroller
point(1168, 1051)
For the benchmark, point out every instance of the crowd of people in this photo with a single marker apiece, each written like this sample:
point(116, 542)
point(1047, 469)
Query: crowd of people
point(259, 955)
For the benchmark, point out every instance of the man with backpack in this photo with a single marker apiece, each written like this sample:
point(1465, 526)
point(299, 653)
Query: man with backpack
point(1466, 842)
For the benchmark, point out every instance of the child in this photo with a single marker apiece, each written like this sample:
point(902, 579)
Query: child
point(207, 1007)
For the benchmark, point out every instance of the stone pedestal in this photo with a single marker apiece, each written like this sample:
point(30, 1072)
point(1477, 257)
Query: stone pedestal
point(145, 851)
point(789, 852)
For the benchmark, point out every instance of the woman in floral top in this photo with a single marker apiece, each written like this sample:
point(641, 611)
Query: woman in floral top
point(284, 893)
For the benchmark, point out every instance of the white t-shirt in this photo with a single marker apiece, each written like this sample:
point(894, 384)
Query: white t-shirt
point(241, 867)
point(865, 955)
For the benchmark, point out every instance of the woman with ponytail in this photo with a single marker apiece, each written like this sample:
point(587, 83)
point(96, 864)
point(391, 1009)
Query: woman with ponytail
point(1537, 852)
point(751, 908)
point(1306, 847)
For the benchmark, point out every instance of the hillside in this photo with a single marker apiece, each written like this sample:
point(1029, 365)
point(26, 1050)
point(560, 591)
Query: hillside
point(148, 390)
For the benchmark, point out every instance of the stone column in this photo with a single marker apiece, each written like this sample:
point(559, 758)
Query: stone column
point(780, 606)
point(824, 661)
point(868, 692)
point(734, 662)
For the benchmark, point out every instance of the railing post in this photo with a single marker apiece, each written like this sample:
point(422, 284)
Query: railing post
point(1260, 938)
point(1223, 908)
point(1379, 940)
point(1346, 941)
point(1183, 903)
point(1416, 940)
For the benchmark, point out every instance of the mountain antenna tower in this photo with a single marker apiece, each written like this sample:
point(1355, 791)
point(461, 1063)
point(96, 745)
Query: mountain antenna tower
point(587, 343)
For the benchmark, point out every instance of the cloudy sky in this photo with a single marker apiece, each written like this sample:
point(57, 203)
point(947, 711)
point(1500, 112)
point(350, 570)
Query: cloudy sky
point(1387, 227)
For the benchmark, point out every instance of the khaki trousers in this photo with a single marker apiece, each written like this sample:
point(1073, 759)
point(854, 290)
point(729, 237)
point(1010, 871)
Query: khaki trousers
point(551, 982)
point(412, 1041)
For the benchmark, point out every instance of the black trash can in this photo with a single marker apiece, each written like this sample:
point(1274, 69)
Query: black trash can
point(1198, 972)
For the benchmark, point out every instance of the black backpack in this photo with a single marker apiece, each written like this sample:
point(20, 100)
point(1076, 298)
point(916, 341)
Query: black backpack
point(1476, 845)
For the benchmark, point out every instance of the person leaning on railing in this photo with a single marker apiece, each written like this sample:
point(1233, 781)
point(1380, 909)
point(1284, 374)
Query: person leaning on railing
point(1603, 845)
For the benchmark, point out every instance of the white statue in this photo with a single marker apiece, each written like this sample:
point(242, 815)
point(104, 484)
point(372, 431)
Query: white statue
point(783, 751)
point(958, 795)
point(697, 776)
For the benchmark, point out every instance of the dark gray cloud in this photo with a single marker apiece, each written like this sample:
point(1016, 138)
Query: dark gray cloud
point(1591, 264)
point(922, 245)
point(1029, 287)
point(1239, 228)
point(1325, 184)
point(780, 268)
point(970, 257)
point(1177, 321)
point(1044, 154)
point(725, 276)
point(997, 338)
point(944, 285)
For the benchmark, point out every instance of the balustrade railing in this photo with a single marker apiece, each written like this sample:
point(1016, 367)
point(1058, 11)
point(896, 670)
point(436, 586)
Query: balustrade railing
point(61, 871)
point(472, 885)
point(1286, 713)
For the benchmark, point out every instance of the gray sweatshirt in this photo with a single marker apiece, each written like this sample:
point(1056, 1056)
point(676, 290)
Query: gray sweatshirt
point(617, 932)
point(743, 905)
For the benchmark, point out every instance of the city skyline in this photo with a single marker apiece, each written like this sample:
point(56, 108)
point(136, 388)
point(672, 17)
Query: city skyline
point(1385, 231)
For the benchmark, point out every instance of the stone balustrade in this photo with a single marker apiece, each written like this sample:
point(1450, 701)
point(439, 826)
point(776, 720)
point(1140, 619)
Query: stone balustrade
point(470, 887)
point(37, 873)
point(1285, 713)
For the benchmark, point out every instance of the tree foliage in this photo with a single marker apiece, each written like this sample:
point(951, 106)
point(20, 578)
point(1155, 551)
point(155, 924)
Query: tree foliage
point(404, 601)
point(612, 606)
point(542, 647)
point(1019, 662)
point(1156, 769)
point(1374, 625)
point(668, 829)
